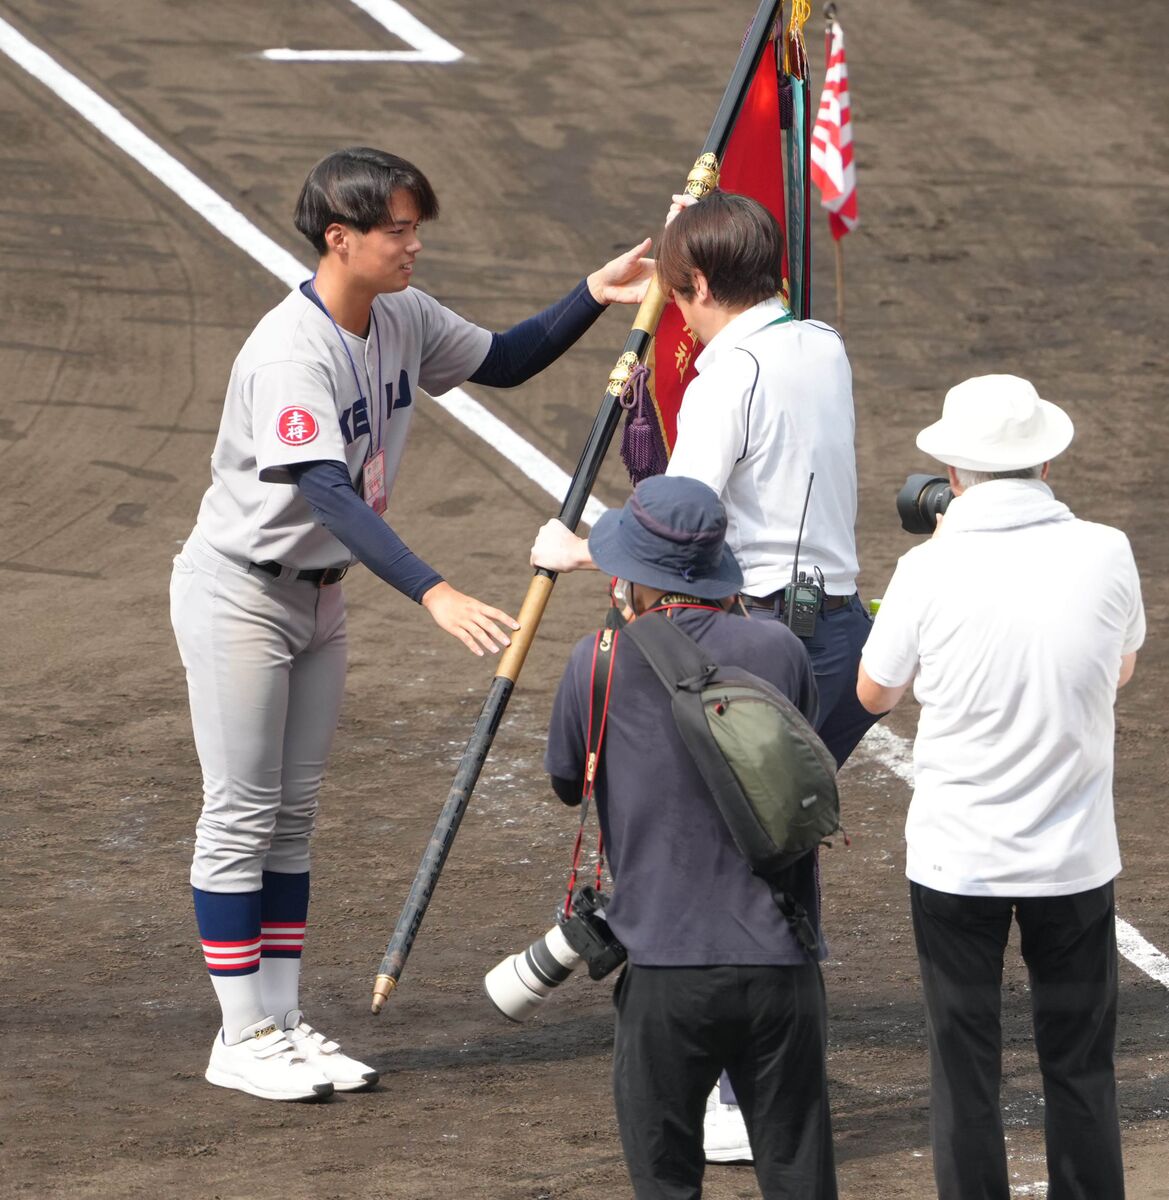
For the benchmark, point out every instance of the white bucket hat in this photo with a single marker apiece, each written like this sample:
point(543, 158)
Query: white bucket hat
point(996, 423)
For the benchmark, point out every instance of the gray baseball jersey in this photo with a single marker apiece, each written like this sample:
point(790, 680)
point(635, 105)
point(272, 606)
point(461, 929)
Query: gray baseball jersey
point(304, 390)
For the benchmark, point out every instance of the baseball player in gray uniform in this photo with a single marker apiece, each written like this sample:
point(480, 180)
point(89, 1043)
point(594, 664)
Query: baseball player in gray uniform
point(315, 420)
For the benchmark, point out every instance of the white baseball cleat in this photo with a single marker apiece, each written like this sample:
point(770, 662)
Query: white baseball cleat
point(724, 1132)
point(347, 1074)
point(266, 1064)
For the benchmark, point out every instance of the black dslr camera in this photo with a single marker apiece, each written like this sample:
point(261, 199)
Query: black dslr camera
point(587, 932)
point(520, 984)
point(923, 499)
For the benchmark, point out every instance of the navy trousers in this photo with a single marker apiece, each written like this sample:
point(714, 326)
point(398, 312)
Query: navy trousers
point(1069, 946)
point(835, 651)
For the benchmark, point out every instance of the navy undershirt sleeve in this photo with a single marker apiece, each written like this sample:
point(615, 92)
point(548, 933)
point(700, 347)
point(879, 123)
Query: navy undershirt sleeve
point(527, 348)
point(567, 790)
point(329, 492)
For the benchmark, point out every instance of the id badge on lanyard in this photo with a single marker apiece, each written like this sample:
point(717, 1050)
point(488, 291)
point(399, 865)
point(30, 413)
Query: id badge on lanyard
point(373, 473)
point(373, 482)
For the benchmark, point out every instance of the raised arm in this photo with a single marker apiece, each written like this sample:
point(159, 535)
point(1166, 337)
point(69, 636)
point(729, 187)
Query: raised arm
point(527, 348)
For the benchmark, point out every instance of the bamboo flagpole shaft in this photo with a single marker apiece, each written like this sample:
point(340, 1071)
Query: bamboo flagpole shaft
point(702, 178)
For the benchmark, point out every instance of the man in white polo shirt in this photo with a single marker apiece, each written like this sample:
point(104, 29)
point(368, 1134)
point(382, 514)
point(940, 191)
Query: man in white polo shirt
point(770, 407)
point(1016, 623)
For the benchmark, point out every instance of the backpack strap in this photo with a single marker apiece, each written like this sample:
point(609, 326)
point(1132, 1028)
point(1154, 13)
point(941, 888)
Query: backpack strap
point(676, 658)
point(797, 918)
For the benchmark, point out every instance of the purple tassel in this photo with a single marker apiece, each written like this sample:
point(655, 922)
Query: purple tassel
point(643, 449)
point(638, 450)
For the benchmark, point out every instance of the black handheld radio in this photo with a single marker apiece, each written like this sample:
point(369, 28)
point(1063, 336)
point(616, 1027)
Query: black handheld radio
point(802, 597)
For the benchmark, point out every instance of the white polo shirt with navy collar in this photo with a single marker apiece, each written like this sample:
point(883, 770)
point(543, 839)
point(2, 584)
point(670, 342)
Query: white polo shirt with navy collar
point(771, 404)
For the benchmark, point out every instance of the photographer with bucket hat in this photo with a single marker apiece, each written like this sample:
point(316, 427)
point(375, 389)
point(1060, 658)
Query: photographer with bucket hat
point(1016, 623)
point(715, 976)
point(770, 407)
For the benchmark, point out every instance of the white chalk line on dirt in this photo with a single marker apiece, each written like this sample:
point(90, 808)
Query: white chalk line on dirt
point(895, 754)
point(427, 45)
point(230, 222)
point(880, 745)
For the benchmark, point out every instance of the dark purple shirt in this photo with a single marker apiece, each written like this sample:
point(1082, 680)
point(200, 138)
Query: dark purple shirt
point(683, 895)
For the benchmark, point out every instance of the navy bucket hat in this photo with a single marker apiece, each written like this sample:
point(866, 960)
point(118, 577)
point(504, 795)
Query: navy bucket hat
point(671, 535)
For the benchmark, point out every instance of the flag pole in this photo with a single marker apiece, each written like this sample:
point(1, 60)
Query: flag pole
point(702, 179)
point(837, 243)
point(839, 249)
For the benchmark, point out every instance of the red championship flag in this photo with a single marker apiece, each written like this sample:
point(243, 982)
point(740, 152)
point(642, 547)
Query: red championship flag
point(753, 166)
point(833, 170)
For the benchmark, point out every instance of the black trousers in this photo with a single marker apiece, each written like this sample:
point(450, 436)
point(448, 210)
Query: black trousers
point(1069, 946)
point(677, 1028)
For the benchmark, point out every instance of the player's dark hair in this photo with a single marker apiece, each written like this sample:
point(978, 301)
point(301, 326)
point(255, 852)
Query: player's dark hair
point(353, 187)
point(733, 240)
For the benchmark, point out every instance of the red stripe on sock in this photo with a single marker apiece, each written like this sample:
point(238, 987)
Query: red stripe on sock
point(214, 964)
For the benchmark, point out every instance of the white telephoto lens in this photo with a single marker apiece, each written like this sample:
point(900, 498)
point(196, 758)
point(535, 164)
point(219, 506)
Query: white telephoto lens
point(519, 984)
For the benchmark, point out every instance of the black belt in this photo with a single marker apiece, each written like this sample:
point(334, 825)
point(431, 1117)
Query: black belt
point(775, 599)
point(321, 576)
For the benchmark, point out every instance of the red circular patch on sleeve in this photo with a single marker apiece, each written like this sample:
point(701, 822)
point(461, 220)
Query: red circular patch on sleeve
point(296, 426)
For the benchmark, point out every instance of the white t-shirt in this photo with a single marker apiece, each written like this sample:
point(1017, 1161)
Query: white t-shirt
point(1014, 618)
point(772, 403)
point(301, 391)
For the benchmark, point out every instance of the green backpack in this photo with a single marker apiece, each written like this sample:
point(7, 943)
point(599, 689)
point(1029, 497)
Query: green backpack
point(772, 779)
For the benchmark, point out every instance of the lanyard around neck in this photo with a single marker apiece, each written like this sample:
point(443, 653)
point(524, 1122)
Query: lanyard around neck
point(667, 604)
point(374, 398)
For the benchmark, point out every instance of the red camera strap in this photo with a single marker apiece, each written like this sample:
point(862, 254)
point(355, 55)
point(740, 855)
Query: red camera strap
point(600, 684)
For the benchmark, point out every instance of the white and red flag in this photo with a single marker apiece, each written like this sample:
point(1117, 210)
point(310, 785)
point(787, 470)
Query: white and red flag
point(833, 170)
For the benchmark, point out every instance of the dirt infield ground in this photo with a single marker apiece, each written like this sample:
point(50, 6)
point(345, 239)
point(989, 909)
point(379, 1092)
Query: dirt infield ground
point(1013, 187)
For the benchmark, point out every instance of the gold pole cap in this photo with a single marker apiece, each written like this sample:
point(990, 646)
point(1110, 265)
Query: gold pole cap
point(703, 177)
point(382, 988)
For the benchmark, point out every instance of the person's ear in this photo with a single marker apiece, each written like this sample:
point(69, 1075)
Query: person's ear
point(701, 287)
point(637, 599)
point(1044, 471)
point(337, 238)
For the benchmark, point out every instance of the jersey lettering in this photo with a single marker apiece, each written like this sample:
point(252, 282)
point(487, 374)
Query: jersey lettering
point(355, 421)
point(296, 426)
point(405, 399)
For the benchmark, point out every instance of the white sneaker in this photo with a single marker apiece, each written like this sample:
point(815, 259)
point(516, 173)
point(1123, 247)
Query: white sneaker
point(724, 1132)
point(266, 1064)
point(347, 1074)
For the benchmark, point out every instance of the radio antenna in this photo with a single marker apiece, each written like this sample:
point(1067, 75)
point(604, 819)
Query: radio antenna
point(791, 590)
point(800, 535)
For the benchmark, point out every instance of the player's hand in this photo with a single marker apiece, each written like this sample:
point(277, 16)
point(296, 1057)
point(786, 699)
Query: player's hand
point(557, 548)
point(468, 619)
point(625, 279)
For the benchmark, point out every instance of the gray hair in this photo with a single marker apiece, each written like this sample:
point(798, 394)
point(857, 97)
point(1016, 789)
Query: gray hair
point(969, 479)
